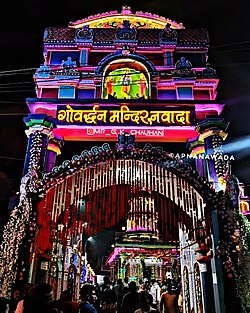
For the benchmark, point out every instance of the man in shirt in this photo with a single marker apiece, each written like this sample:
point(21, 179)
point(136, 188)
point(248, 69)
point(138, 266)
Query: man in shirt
point(87, 294)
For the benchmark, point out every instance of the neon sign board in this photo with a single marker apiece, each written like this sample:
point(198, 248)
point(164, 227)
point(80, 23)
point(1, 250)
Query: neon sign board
point(124, 115)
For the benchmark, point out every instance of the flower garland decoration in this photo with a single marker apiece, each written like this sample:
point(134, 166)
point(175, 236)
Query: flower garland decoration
point(234, 247)
point(150, 154)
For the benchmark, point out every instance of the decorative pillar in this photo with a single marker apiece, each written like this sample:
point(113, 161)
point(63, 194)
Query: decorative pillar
point(154, 80)
point(98, 87)
point(40, 126)
point(212, 133)
point(197, 152)
point(55, 144)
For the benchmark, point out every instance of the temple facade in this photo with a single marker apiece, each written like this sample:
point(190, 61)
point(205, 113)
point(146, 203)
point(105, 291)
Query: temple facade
point(138, 80)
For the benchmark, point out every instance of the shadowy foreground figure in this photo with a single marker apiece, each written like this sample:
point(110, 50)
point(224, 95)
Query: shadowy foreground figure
point(39, 299)
point(87, 294)
point(145, 302)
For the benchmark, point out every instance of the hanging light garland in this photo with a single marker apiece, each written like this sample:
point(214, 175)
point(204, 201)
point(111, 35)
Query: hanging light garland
point(21, 224)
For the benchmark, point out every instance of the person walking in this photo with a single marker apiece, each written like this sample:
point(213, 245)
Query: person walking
point(168, 302)
point(109, 301)
point(155, 291)
point(130, 301)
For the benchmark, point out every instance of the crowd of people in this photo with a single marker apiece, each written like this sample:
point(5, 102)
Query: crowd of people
point(108, 297)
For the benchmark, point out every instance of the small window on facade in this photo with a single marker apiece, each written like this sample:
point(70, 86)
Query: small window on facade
point(49, 93)
point(185, 93)
point(86, 94)
point(66, 92)
point(201, 95)
point(167, 94)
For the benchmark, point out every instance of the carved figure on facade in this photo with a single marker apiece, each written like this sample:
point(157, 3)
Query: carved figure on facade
point(168, 35)
point(183, 64)
point(68, 68)
point(126, 32)
point(183, 68)
point(125, 141)
point(126, 9)
point(68, 63)
point(85, 34)
point(43, 71)
point(209, 72)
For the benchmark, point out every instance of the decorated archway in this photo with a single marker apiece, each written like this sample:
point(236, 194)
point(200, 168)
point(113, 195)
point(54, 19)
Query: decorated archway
point(104, 186)
point(82, 184)
point(148, 189)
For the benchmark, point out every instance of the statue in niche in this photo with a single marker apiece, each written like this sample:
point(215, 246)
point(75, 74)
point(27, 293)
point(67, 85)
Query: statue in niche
point(85, 34)
point(109, 86)
point(143, 85)
point(168, 34)
point(126, 32)
point(68, 63)
point(126, 82)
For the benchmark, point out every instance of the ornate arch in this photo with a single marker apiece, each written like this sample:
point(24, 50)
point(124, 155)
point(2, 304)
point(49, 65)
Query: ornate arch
point(77, 189)
point(53, 278)
point(197, 286)
point(119, 55)
point(127, 151)
point(126, 75)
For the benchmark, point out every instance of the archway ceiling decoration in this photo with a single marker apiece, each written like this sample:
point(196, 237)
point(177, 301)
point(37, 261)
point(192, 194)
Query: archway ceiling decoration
point(150, 154)
point(114, 19)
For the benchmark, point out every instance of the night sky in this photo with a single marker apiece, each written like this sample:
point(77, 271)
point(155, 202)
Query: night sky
point(22, 24)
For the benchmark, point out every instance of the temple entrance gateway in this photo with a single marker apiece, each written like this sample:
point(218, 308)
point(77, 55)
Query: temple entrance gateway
point(131, 212)
point(157, 201)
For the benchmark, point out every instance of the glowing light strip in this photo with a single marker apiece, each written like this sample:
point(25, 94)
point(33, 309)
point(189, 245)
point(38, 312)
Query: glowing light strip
point(209, 107)
point(139, 15)
point(109, 133)
point(118, 250)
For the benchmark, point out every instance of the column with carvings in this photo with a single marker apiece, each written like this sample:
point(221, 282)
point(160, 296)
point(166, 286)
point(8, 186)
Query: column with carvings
point(197, 151)
point(212, 133)
point(40, 127)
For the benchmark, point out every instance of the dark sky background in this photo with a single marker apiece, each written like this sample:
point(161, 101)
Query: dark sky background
point(22, 25)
